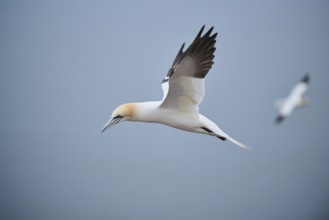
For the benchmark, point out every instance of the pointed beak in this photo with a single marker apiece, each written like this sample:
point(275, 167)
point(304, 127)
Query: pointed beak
point(111, 122)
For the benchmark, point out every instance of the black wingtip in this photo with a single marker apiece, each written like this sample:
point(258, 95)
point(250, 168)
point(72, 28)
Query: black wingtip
point(222, 138)
point(181, 48)
point(306, 78)
point(206, 34)
point(279, 119)
point(198, 36)
point(212, 133)
point(209, 31)
point(200, 32)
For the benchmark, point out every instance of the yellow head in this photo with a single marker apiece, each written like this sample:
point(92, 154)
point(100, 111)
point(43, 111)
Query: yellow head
point(122, 113)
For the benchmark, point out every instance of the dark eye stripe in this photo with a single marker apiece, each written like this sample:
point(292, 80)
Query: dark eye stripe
point(118, 117)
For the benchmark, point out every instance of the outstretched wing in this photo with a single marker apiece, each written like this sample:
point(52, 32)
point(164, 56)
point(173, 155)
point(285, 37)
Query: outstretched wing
point(183, 87)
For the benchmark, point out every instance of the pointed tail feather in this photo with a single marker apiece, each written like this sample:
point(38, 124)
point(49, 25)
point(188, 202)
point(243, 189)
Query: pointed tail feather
point(237, 143)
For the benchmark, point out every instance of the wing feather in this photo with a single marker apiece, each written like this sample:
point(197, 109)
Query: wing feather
point(183, 86)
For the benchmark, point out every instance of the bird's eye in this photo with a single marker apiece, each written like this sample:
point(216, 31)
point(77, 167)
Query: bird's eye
point(118, 117)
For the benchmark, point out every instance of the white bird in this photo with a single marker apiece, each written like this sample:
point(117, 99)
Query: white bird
point(183, 90)
point(293, 100)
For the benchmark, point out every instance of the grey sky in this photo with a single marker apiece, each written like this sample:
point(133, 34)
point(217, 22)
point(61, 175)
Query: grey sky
point(65, 65)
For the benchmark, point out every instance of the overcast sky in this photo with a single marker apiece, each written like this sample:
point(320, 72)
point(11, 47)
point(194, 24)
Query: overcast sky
point(66, 65)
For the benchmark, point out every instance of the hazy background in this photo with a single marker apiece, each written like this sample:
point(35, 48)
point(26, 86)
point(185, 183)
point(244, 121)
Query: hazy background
point(65, 65)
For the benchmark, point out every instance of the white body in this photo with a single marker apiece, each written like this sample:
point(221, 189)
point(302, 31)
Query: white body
point(153, 112)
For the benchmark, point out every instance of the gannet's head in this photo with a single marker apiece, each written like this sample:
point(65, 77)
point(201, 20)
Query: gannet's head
point(125, 112)
point(304, 102)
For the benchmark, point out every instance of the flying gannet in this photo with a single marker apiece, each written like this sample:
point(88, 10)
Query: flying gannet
point(183, 90)
point(293, 100)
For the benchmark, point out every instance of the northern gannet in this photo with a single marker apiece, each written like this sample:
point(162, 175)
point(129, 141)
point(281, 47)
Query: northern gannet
point(183, 90)
point(293, 100)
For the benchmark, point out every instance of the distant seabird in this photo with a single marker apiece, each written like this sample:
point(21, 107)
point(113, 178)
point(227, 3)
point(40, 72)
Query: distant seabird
point(183, 90)
point(293, 100)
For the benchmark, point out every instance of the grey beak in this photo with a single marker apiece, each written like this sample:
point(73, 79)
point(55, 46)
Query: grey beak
point(111, 122)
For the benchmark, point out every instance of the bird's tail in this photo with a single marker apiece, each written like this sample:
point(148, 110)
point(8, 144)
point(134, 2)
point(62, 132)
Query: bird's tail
point(237, 142)
point(214, 130)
